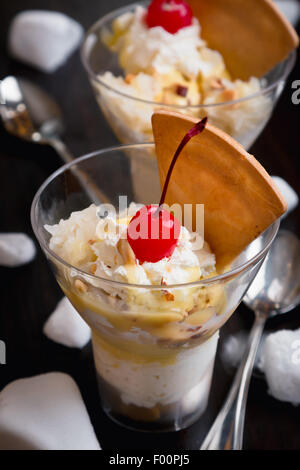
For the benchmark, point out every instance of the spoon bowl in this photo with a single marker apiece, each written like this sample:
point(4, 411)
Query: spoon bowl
point(29, 113)
point(274, 290)
point(279, 276)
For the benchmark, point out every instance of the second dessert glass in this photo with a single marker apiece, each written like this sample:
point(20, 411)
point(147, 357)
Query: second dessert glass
point(130, 117)
point(154, 355)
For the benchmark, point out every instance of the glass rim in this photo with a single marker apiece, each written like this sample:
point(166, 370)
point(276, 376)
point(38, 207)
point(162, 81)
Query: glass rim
point(291, 58)
point(203, 282)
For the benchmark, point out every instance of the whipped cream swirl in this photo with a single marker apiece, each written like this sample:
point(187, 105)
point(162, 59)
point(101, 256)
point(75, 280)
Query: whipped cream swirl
point(100, 247)
point(141, 48)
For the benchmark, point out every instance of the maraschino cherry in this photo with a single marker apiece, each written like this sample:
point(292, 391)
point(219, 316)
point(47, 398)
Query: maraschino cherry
point(153, 232)
point(171, 15)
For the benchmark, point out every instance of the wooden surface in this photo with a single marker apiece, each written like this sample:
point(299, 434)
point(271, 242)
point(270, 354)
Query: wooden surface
point(30, 293)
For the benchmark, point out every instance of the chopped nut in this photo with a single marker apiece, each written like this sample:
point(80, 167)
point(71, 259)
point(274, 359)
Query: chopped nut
point(193, 310)
point(126, 251)
point(194, 328)
point(81, 286)
point(91, 242)
point(228, 95)
point(181, 90)
point(129, 77)
point(168, 296)
point(217, 84)
point(93, 268)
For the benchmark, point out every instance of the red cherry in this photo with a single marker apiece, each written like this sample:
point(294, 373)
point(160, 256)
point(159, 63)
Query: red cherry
point(153, 234)
point(171, 15)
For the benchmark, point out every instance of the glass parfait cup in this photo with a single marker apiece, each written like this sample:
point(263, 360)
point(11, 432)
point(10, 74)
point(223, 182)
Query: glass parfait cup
point(130, 116)
point(154, 346)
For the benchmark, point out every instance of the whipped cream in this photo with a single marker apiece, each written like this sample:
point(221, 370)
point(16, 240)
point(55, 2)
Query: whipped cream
point(154, 49)
point(157, 64)
point(99, 246)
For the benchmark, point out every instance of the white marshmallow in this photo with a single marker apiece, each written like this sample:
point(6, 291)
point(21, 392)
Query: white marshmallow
point(45, 412)
point(288, 193)
point(16, 249)
point(44, 39)
point(281, 365)
point(66, 326)
point(233, 348)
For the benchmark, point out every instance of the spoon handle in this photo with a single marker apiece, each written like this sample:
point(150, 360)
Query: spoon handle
point(94, 193)
point(227, 431)
point(61, 149)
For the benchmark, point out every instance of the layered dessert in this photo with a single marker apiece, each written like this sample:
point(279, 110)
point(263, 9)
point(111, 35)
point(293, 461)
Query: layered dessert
point(149, 285)
point(165, 61)
point(154, 348)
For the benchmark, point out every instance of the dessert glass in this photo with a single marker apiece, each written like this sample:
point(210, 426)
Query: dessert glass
point(130, 117)
point(154, 362)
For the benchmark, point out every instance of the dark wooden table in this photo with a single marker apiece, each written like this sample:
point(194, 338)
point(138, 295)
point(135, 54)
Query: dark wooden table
point(30, 293)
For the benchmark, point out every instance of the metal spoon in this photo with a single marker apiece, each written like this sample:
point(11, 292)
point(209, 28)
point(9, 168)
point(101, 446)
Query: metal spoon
point(31, 114)
point(275, 290)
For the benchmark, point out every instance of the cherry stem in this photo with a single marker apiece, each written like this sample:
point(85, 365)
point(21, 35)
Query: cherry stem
point(195, 130)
